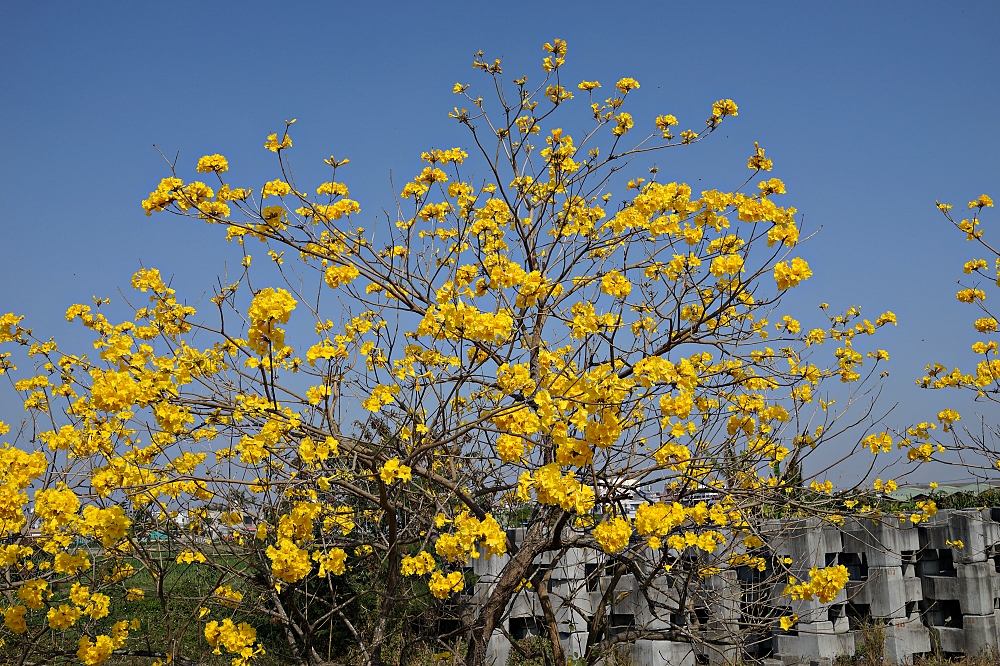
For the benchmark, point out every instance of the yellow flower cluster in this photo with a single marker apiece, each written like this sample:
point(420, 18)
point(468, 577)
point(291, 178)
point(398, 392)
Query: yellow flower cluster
point(190, 557)
point(236, 639)
point(417, 565)
point(18, 471)
point(451, 156)
point(824, 584)
point(269, 308)
point(788, 275)
point(655, 521)
point(615, 284)
point(213, 163)
point(288, 562)
point(880, 443)
point(613, 535)
point(337, 276)
point(730, 264)
point(460, 321)
point(470, 531)
point(442, 586)
point(272, 143)
point(887, 486)
point(707, 541)
point(514, 378)
point(315, 452)
point(926, 510)
point(381, 396)
point(554, 489)
point(393, 470)
point(334, 561)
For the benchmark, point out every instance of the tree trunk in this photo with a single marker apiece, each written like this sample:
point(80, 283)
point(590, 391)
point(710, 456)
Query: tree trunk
point(493, 609)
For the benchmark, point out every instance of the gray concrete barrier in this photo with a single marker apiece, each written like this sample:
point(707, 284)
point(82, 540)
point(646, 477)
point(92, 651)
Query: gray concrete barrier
point(916, 588)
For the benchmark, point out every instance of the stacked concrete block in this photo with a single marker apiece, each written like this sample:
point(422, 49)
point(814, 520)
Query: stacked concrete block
point(886, 589)
point(497, 650)
point(935, 584)
point(720, 637)
point(961, 585)
point(812, 641)
point(808, 543)
point(662, 653)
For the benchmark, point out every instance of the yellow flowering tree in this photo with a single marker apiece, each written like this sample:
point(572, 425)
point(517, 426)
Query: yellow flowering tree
point(515, 348)
point(984, 381)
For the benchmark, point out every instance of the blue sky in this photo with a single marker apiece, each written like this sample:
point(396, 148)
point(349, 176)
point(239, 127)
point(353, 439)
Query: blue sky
point(871, 111)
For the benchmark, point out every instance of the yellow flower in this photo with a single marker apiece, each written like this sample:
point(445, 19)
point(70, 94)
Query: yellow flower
point(236, 639)
point(190, 557)
point(984, 201)
point(788, 621)
point(63, 617)
point(417, 565)
point(274, 146)
point(825, 584)
point(381, 396)
point(288, 562)
point(615, 284)
point(94, 652)
point(334, 561)
point(32, 593)
point(790, 275)
point(216, 163)
point(613, 535)
point(442, 586)
point(275, 188)
point(626, 84)
point(13, 618)
point(392, 470)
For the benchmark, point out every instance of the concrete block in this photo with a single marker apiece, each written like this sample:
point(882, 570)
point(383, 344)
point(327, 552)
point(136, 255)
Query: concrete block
point(940, 587)
point(881, 543)
point(928, 566)
point(488, 568)
point(803, 540)
point(569, 617)
point(497, 650)
point(976, 533)
point(574, 643)
point(980, 632)
point(722, 595)
point(951, 639)
point(815, 640)
point(884, 591)
point(571, 594)
point(658, 617)
point(904, 638)
point(628, 604)
point(718, 653)
point(525, 604)
point(573, 565)
point(935, 536)
point(975, 588)
point(662, 653)
point(811, 611)
point(914, 589)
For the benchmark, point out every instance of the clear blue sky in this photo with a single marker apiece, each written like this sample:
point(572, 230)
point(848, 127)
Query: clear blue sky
point(871, 111)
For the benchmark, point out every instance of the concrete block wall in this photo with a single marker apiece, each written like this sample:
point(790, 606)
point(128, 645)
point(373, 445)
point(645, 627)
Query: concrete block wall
point(934, 583)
